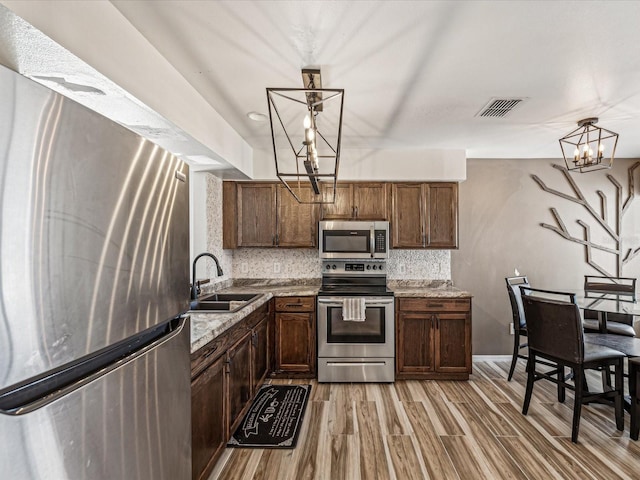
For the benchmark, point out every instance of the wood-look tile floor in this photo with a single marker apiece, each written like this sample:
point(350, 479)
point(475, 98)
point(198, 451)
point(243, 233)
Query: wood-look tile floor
point(444, 430)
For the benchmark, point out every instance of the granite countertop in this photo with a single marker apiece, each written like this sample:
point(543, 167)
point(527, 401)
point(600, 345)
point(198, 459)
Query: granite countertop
point(426, 289)
point(207, 326)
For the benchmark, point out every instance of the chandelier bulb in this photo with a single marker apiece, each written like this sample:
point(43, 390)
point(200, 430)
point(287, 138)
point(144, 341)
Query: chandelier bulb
point(307, 121)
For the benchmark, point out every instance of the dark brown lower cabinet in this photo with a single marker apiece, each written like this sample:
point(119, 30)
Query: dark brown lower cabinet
point(225, 374)
point(260, 352)
point(208, 433)
point(295, 337)
point(433, 338)
point(239, 379)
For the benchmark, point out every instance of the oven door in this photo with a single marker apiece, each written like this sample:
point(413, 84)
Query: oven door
point(373, 337)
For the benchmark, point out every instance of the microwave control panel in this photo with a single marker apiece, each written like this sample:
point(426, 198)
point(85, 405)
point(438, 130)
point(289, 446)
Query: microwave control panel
point(381, 241)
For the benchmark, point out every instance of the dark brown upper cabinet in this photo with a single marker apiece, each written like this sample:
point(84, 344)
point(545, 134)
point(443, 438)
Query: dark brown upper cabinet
point(356, 201)
point(265, 214)
point(424, 215)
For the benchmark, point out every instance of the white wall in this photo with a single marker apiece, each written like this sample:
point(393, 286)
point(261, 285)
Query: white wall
point(382, 165)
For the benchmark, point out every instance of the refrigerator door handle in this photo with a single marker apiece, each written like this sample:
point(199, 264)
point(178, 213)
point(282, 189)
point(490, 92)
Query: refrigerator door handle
point(36, 392)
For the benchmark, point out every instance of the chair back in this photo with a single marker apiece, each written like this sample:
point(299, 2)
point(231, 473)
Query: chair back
point(554, 326)
point(625, 286)
point(618, 285)
point(515, 298)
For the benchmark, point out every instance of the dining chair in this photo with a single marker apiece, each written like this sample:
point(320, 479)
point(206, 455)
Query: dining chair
point(634, 380)
point(519, 322)
point(555, 333)
point(518, 319)
point(617, 324)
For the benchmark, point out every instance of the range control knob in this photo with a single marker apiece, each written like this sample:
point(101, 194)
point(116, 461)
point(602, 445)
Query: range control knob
point(368, 267)
point(375, 267)
point(380, 267)
point(333, 266)
point(328, 267)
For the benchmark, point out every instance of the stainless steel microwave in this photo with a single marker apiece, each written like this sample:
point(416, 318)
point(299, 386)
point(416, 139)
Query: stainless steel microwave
point(353, 239)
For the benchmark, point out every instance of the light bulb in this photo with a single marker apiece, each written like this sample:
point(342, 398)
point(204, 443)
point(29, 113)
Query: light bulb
point(309, 135)
point(307, 121)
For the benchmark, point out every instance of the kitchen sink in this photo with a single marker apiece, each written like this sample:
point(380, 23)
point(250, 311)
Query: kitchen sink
point(223, 302)
point(230, 297)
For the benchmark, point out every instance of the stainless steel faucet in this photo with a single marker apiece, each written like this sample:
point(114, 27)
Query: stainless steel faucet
point(195, 286)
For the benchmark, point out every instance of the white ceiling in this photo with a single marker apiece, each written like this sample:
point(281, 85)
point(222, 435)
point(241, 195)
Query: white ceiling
point(415, 73)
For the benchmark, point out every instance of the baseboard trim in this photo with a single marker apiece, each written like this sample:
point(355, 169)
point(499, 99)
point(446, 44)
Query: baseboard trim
point(491, 358)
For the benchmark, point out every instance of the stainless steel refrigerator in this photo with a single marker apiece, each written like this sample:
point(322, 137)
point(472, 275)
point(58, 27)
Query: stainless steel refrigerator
point(94, 274)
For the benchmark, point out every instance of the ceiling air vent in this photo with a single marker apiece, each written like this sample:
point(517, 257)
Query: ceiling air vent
point(499, 107)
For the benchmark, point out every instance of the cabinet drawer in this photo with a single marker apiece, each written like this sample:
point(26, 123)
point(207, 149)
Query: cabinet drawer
point(434, 305)
point(295, 304)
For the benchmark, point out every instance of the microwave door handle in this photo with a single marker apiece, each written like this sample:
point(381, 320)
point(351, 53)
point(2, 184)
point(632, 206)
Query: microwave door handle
point(372, 241)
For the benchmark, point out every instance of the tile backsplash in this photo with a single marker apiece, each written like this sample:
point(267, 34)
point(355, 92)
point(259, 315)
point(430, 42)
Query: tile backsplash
point(294, 263)
point(304, 263)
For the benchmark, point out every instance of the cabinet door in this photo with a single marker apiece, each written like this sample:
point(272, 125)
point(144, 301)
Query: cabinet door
point(239, 379)
point(370, 201)
point(297, 222)
point(415, 342)
point(343, 208)
point(295, 342)
point(408, 205)
point(260, 353)
point(208, 418)
point(442, 218)
point(453, 343)
point(256, 214)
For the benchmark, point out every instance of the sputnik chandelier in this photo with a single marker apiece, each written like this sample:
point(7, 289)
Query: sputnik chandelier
point(306, 130)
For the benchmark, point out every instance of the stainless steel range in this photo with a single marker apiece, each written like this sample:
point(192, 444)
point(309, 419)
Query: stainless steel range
point(356, 327)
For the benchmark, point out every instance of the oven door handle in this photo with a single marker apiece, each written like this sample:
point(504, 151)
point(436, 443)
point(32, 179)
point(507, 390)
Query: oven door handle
point(329, 302)
point(339, 303)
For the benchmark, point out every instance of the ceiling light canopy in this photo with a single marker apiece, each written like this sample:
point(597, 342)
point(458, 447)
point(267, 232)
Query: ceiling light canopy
point(588, 147)
point(306, 129)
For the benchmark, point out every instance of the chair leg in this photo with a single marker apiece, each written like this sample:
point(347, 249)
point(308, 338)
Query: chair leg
point(561, 389)
point(514, 357)
point(619, 383)
point(577, 404)
point(634, 430)
point(531, 371)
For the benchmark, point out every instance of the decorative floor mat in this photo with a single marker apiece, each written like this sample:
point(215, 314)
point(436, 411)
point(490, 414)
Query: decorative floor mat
point(274, 418)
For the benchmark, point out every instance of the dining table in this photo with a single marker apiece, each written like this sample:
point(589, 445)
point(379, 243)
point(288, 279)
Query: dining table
point(606, 303)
